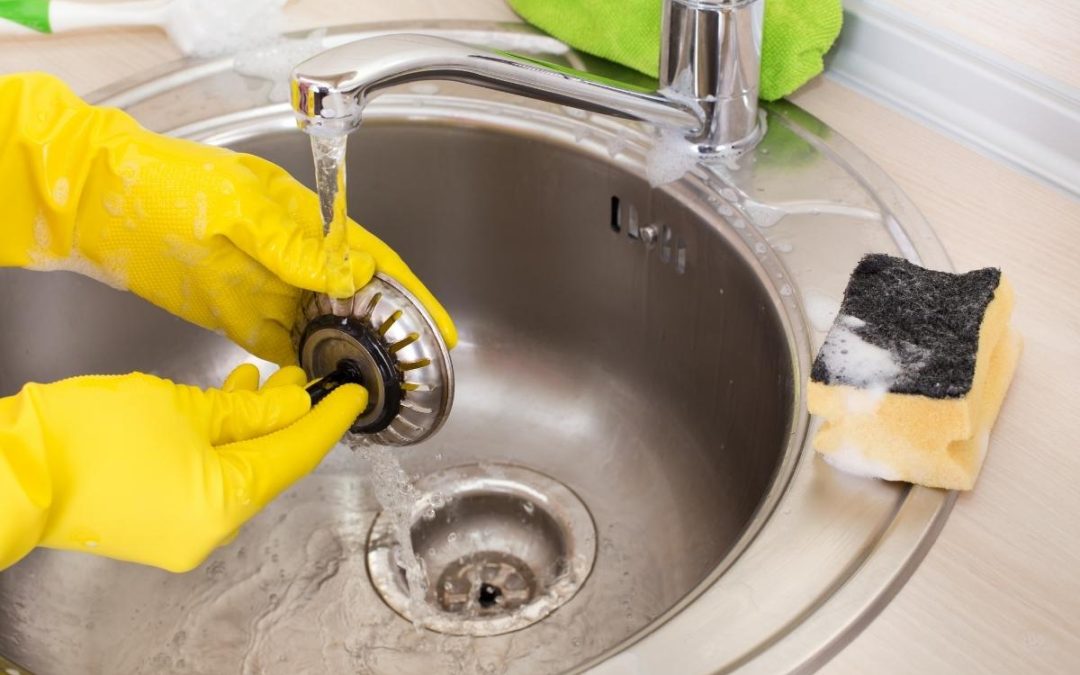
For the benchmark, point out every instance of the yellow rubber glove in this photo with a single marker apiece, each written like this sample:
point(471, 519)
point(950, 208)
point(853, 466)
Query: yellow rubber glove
point(137, 468)
point(222, 239)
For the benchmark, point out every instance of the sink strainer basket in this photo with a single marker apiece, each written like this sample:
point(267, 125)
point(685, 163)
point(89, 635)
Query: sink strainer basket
point(385, 339)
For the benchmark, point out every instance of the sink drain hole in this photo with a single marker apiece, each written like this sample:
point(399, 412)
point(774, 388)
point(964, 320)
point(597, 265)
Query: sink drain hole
point(489, 595)
point(502, 547)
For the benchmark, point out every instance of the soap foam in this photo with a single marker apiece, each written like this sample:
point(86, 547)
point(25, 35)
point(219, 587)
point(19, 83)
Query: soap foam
point(851, 459)
point(275, 60)
point(113, 277)
point(113, 204)
point(670, 158)
point(868, 370)
point(216, 27)
point(854, 361)
point(61, 191)
point(42, 232)
point(201, 216)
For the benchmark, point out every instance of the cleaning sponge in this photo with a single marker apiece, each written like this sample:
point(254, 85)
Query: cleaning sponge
point(913, 372)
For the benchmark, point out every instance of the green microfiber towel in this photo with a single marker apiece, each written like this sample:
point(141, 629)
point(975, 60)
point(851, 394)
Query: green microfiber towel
point(797, 34)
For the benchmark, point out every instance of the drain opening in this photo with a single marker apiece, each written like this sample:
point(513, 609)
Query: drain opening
point(502, 548)
point(487, 582)
point(489, 595)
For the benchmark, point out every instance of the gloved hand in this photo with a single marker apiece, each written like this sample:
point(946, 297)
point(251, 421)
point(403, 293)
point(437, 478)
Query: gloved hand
point(796, 34)
point(224, 240)
point(137, 468)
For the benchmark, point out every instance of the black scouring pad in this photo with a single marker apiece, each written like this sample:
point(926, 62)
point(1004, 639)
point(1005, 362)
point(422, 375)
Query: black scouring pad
point(928, 320)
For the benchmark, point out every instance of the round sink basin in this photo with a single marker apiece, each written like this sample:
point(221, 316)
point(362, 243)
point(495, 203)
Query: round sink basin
point(640, 347)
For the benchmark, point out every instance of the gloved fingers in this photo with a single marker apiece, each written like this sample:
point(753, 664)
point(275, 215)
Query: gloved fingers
point(266, 466)
point(241, 415)
point(271, 342)
point(282, 230)
point(244, 377)
point(289, 376)
point(306, 262)
point(305, 266)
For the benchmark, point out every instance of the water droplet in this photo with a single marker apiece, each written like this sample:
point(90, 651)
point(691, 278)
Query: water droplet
point(452, 537)
point(429, 514)
point(529, 507)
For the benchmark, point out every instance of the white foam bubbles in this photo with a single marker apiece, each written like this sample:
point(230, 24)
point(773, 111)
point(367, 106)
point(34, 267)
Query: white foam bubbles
point(670, 158)
point(856, 362)
point(851, 459)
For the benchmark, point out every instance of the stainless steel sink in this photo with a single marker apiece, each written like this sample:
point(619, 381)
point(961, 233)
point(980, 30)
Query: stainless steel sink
point(642, 346)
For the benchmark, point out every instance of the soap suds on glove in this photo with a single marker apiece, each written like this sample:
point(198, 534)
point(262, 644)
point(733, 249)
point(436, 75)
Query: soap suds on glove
point(113, 204)
point(112, 276)
point(60, 191)
point(201, 216)
point(42, 232)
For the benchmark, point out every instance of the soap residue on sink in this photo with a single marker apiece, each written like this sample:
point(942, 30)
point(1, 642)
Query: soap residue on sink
point(821, 309)
point(670, 158)
point(853, 460)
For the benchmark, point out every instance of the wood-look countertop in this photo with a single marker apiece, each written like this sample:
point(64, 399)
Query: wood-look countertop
point(1000, 590)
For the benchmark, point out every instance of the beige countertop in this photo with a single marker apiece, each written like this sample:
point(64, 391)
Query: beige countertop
point(1000, 590)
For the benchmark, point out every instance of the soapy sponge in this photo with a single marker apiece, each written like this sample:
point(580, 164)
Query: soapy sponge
point(913, 372)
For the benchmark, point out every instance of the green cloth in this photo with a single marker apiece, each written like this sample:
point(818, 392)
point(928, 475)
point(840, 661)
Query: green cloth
point(30, 13)
point(797, 34)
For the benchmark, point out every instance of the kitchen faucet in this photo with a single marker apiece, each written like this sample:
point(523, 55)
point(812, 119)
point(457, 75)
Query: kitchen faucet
point(710, 58)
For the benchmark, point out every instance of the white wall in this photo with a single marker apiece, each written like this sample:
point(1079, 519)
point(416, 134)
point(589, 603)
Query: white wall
point(1042, 35)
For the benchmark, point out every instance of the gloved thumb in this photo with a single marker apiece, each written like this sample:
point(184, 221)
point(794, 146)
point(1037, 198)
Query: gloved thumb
point(262, 468)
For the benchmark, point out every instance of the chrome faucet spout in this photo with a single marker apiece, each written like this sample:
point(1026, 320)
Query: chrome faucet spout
point(709, 64)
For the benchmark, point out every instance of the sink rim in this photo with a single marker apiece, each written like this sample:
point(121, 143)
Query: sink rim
point(809, 639)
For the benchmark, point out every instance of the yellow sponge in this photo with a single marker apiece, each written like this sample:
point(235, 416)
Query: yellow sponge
point(913, 372)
